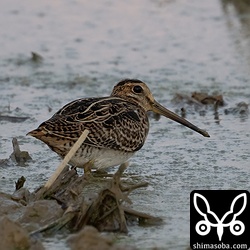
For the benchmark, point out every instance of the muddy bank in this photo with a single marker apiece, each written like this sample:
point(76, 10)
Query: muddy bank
point(71, 203)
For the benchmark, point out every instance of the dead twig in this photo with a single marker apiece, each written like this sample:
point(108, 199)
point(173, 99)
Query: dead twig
point(143, 217)
point(20, 182)
point(67, 158)
point(13, 118)
point(19, 156)
point(46, 189)
point(57, 224)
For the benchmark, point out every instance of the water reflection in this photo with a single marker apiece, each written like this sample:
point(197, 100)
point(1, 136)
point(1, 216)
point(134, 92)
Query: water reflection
point(237, 16)
point(201, 103)
point(241, 110)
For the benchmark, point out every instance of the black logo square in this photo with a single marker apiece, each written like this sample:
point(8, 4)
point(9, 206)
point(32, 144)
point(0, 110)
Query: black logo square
point(220, 219)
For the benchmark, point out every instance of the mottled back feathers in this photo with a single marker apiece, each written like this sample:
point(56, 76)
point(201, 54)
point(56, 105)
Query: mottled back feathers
point(113, 123)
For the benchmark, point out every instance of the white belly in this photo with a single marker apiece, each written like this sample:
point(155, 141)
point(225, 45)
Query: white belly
point(101, 158)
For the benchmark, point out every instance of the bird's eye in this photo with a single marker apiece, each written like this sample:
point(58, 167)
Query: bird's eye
point(137, 89)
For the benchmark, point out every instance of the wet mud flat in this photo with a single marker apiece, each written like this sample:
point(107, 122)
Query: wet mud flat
point(83, 206)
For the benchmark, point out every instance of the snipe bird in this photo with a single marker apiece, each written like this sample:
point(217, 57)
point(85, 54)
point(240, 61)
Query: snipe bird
point(118, 125)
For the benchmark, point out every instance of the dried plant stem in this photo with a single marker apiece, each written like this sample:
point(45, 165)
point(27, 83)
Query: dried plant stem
point(66, 159)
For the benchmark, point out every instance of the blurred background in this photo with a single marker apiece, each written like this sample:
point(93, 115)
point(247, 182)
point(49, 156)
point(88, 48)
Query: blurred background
point(53, 52)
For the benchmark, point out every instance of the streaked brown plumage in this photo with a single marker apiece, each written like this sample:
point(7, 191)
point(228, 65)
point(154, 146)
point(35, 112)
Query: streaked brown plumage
point(118, 125)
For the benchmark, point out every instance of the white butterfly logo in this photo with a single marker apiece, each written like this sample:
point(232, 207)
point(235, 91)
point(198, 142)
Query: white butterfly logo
point(203, 227)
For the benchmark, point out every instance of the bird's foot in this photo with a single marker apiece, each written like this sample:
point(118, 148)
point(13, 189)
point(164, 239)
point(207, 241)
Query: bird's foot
point(87, 170)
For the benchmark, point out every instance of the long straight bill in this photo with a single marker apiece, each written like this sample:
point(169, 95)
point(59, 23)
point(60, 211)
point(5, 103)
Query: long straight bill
point(158, 108)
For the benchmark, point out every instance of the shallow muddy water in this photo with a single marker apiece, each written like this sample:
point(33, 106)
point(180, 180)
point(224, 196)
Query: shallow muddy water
point(176, 47)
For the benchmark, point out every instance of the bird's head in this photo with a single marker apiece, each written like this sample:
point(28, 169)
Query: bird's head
point(136, 91)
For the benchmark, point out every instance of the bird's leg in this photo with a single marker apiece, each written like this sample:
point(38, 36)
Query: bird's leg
point(87, 169)
point(101, 171)
point(73, 168)
point(116, 186)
